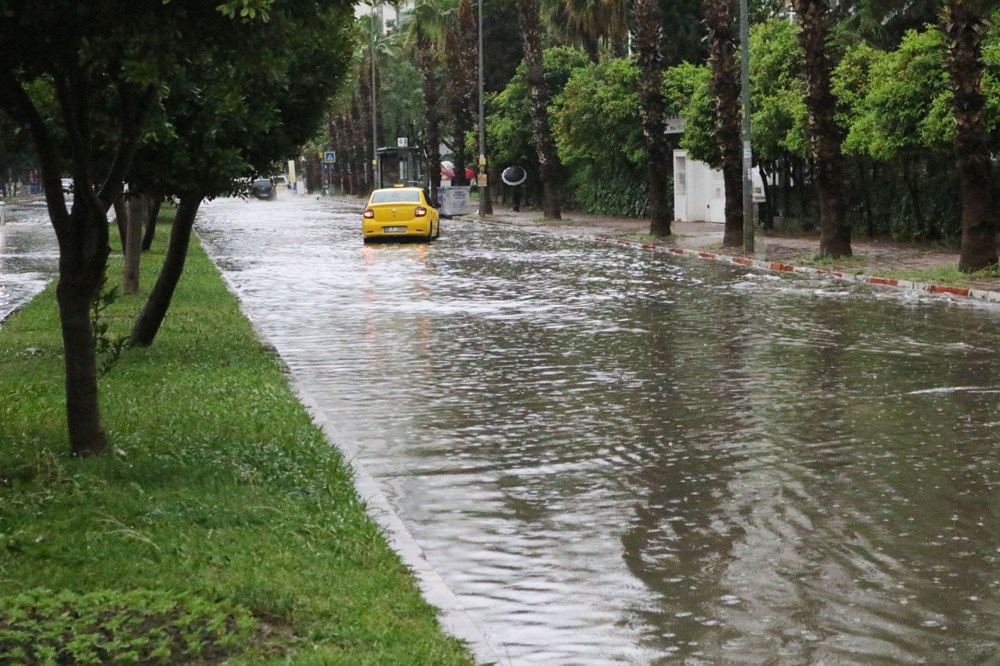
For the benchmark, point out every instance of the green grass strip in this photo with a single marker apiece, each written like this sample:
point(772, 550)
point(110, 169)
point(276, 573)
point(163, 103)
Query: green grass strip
point(221, 527)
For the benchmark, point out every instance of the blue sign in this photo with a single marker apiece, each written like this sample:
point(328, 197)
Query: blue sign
point(330, 156)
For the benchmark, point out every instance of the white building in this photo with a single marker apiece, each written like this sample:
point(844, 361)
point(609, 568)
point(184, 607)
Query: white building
point(700, 190)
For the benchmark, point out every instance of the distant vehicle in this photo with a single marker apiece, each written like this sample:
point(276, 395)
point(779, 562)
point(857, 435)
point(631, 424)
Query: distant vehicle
point(263, 188)
point(400, 212)
point(67, 185)
point(280, 183)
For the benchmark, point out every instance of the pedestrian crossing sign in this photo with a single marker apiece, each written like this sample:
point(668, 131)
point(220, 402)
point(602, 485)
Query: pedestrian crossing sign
point(330, 156)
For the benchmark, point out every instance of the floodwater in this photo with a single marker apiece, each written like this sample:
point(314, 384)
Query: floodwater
point(29, 257)
point(613, 456)
point(618, 457)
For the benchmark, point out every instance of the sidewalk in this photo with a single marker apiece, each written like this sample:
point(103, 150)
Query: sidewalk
point(875, 261)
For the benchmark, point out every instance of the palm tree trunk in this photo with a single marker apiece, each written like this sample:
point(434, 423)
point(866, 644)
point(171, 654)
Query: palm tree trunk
point(426, 61)
point(825, 134)
point(964, 25)
point(549, 166)
point(648, 32)
point(723, 41)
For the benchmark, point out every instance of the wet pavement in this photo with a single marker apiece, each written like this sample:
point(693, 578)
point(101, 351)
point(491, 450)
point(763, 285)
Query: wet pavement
point(29, 257)
point(613, 456)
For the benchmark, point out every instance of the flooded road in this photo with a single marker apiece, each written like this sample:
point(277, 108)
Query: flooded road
point(29, 256)
point(612, 456)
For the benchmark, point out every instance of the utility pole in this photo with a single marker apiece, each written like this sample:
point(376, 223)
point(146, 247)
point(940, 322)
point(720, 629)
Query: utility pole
point(375, 182)
point(485, 201)
point(748, 220)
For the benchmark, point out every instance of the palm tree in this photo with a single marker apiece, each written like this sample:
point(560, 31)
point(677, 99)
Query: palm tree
point(461, 54)
point(588, 23)
point(647, 31)
point(964, 23)
point(549, 166)
point(423, 34)
point(884, 22)
point(723, 41)
point(825, 134)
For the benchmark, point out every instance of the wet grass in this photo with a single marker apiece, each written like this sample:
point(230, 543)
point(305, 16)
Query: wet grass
point(222, 524)
point(949, 275)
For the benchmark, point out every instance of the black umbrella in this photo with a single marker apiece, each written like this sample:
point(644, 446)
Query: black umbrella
point(513, 175)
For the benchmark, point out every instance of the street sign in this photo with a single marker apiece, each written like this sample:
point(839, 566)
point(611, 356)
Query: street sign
point(330, 156)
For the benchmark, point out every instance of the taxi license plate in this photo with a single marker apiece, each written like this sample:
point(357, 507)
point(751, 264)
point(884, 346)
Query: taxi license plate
point(393, 230)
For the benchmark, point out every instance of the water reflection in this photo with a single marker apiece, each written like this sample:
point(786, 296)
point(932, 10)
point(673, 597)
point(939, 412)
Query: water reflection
point(614, 457)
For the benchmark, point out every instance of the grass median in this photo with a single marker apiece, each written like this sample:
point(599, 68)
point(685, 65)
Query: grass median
point(221, 527)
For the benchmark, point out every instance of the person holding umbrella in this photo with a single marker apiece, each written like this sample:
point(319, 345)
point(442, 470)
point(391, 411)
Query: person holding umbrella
point(514, 177)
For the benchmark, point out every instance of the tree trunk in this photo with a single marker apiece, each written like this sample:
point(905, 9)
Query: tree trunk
point(866, 199)
point(121, 219)
point(723, 41)
point(83, 256)
point(913, 192)
point(150, 232)
point(826, 136)
point(549, 166)
point(647, 29)
point(148, 323)
point(137, 213)
point(964, 25)
point(427, 63)
point(461, 51)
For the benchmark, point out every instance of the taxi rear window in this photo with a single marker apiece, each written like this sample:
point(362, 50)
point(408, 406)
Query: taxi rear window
point(396, 196)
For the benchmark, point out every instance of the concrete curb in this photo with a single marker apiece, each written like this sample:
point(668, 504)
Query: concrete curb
point(954, 293)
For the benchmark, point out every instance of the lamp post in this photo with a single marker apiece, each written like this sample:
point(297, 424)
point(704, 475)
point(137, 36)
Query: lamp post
point(748, 220)
point(375, 182)
point(485, 202)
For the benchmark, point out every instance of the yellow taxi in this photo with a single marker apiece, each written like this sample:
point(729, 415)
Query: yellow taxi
point(400, 212)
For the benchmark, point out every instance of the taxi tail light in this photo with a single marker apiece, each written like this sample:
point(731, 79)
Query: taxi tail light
point(369, 214)
point(420, 211)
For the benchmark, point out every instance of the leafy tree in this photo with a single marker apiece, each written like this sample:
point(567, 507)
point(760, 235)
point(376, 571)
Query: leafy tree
point(895, 107)
point(508, 124)
point(687, 88)
point(17, 152)
point(599, 137)
point(683, 31)
point(107, 62)
point(237, 108)
point(883, 23)
point(598, 121)
point(104, 61)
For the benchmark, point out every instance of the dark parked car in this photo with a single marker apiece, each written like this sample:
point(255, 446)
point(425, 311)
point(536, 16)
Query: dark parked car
point(263, 188)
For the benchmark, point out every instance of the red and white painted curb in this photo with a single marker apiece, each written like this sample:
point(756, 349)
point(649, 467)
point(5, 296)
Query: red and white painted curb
point(957, 293)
